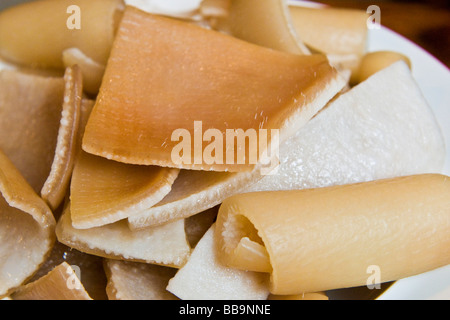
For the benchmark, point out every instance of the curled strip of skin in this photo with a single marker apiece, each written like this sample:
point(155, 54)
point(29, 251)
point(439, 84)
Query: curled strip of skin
point(338, 231)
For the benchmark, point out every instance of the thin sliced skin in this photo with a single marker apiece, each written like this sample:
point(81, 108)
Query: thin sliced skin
point(249, 20)
point(203, 277)
point(137, 281)
point(30, 108)
point(27, 228)
point(49, 37)
point(57, 183)
point(104, 191)
point(134, 119)
point(364, 134)
point(92, 70)
point(61, 283)
point(193, 192)
point(164, 245)
point(343, 231)
point(338, 31)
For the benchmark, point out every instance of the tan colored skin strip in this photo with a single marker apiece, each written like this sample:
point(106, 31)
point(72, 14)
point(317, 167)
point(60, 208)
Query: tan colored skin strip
point(92, 70)
point(248, 20)
point(49, 37)
point(164, 245)
point(18, 193)
point(135, 116)
point(31, 112)
point(329, 30)
point(61, 283)
point(57, 183)
point(398, 225)
point(192, 192)
point(105, 191)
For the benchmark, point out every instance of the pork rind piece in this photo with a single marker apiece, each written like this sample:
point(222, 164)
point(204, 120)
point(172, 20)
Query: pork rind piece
point(329, 30)
point(193, 192)
point(137, 281)
point(27, 228)
point(91, 70)
point(338, 231)
point(381, 128)
point(103, 191)
point(222, 82)
point(39, 128)
point(58, 180)
point(340, 33)
point(61, 283)
point(165, 244)
point(30, 109)
point(205, 278)
point(36, 33)
point(266, 23)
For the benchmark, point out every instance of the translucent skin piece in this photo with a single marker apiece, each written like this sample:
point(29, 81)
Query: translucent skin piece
point(193, 192)
point(399, 225)
point(105, 191)
point(201, 75)
point(29, 39)
point(164, 245)
point(27, 228)
point(373, 62)
point(61, 283)
point(331, 30)
point(57, 183)
point(30, 108)
point(249, 20)
point(340, 33)
point(92, 71)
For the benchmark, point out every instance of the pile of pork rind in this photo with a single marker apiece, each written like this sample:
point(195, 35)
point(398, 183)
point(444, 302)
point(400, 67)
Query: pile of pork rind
point(75, 226)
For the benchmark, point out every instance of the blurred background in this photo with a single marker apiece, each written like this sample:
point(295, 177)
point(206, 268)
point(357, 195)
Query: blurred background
point(425, 22)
